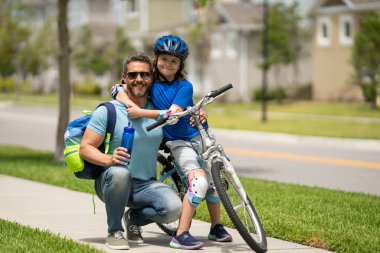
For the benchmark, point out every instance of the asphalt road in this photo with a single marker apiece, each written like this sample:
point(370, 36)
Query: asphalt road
point(323, 162)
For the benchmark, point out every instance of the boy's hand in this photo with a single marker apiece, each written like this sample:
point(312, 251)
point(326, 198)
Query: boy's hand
point(135, 112)
point(202, 116)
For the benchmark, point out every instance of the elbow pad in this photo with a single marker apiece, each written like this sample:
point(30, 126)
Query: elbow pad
point(115, 89)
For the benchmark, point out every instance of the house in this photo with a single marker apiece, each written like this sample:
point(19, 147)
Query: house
point(335, 25)
point(235, 56)
point(143, 22)
point(146, 20)
point(228, 54)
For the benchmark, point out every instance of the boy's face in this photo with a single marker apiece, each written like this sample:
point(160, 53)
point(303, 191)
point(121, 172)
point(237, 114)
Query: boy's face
point(138, 78)
point(168, 65)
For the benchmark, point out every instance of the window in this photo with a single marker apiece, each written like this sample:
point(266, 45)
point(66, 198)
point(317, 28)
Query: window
point(231, 45)
point(118, 9)
point(323, 31)
point(345, 30)
point(216, 45)
point(78, 13)
point(132, 6)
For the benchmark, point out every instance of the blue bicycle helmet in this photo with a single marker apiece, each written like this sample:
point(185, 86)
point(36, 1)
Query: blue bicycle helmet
point(171, 45)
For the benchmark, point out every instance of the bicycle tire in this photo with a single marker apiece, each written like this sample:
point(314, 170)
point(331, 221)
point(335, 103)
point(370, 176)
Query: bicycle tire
point(175, 183)
point(249, 223)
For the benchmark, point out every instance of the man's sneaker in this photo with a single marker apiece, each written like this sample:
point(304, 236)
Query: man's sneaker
point(185, 241)
point(133, 231)
point(117, 241)
point(219, 234)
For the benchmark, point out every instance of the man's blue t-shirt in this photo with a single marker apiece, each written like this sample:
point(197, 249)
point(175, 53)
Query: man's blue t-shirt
point(145, 144)
point(179, 92)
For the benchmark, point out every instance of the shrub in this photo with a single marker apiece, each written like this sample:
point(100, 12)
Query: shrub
point(7, 85)
point(277, 93)
point(303, 92)
point(87, 88)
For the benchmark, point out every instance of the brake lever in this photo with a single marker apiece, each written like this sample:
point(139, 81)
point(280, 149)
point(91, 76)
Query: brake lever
point(172, 121)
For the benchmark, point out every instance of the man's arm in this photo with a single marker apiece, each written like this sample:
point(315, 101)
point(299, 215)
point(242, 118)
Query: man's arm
point(89, 151)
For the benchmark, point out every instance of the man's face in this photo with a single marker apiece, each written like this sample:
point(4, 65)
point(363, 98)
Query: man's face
point(138, 78)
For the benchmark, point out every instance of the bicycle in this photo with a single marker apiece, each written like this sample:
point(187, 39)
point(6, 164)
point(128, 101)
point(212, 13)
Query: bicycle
point(234, 199)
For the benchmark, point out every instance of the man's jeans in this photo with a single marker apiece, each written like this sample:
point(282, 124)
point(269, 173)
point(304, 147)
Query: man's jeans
point(150, 200)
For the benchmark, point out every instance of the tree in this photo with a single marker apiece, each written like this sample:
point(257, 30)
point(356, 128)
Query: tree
point(24, 49)
point(118, 51)
point(366, 58)
point(64, 78)
point(33, 57)
point(200, 39)
point(82, 54)
point(98, 59)
point(90, 58)
point(13, 36)
point(285, 36)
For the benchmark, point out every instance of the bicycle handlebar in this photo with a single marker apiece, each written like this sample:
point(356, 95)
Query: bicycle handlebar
point(157, 124)
point(215, 93)
point(209, 97)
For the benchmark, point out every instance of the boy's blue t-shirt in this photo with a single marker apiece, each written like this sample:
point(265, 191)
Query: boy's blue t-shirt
point(179, 92)
point(145, 144)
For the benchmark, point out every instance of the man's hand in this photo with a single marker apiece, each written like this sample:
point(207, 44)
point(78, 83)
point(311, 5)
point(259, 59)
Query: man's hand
point(119, 156)
point(202, 115)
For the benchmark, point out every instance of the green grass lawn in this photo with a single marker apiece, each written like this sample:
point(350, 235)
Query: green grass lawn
point(23, 239)
point(334, 220)
point(346, 120)
point(302, 118)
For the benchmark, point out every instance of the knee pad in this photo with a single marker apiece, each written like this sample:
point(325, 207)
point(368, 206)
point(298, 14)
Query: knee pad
point(212, 195)
point(198, 186)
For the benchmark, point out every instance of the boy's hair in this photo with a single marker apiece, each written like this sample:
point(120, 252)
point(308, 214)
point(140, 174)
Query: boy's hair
point(137, 56)
point(181, 73)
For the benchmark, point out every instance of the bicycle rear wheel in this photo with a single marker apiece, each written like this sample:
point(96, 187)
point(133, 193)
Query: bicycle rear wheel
point(169, 176)
point(239, 208)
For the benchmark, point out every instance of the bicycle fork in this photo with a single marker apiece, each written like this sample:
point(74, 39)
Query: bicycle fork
point(229, 171)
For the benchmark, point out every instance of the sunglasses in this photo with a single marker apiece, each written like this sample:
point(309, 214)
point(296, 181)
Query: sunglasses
point(143, 75)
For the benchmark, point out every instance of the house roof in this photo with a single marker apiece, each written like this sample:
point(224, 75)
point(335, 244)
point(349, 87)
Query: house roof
point(324, 6)
point(240, 15)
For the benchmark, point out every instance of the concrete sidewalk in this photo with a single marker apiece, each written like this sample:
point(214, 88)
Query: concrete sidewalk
point(70, 213)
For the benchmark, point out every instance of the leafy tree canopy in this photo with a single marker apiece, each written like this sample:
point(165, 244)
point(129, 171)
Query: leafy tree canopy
point(366, 57)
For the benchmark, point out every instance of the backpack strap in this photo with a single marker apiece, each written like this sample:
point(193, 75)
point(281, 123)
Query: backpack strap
point(111, 122)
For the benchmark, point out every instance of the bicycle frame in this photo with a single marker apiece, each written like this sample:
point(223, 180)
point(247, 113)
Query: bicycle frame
point(212, 155)
point(209, 151)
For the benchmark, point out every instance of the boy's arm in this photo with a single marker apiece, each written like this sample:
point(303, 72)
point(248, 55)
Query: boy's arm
point(184, 95)
point(118, 93)
point(137, 112)
point(134, 111)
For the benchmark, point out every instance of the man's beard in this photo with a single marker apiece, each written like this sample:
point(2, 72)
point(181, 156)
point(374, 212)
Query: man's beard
point(137, 94)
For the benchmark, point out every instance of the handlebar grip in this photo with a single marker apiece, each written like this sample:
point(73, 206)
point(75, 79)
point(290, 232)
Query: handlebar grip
point(215, 93)
point(157, 123)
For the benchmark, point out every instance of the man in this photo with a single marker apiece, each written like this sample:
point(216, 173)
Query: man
point(133, 185)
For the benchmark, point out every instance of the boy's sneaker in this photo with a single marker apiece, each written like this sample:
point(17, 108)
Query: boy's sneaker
point(185, 241)
point(117, 241)
point(219, 234)
point(133, 231)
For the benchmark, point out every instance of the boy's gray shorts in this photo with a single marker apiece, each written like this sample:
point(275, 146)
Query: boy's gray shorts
point(185, 153)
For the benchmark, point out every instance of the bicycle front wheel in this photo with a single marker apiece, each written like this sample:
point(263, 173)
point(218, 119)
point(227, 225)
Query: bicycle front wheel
point(239, 207)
